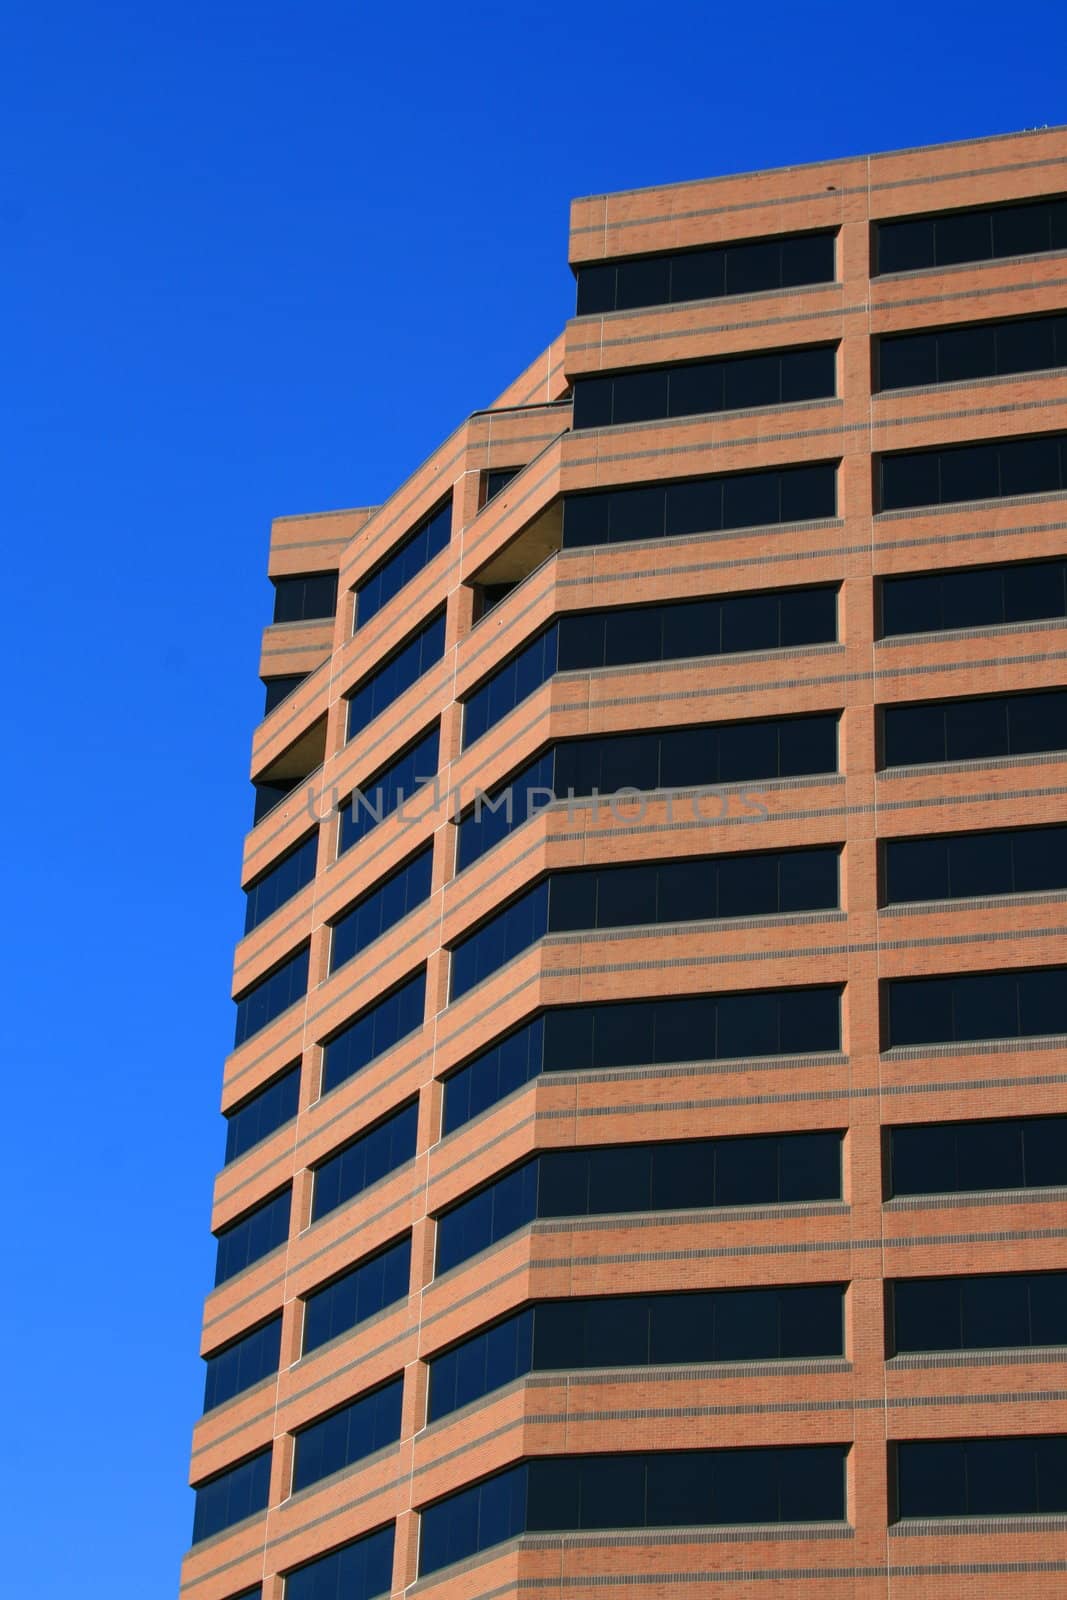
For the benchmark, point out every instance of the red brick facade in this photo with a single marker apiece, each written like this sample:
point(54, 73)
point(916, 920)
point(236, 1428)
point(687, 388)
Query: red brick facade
point(862, 1400)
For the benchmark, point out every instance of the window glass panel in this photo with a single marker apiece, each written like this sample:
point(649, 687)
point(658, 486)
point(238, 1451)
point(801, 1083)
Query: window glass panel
point(904, 246)
point(1020, 230)
point(694, 507)
point(748, 885)
point(696, 388)
point(642, 283)
point(1027, 345)
point(914, 735)
point(962, 236)
point(750, 499)
point(910, 480)
point(637, 513)
point(1037, 722)
point(746, 1489)
point(750, 622)
point(809, 1019)
point(373, 1032)
point(746, 1325)
point(1034, 589)
point(972, 599)
point(634, 634)
point(698, 275)
point(807, 258)
point(808, 374)
point(752, 381)
point(969, 472)
point(923, 1160)
point(1044, 1146)
point(745, 1025)
point(807, 616)
point(989, 1155)
point(808, 879)
point(995, 1311)
point(926, 1314)
point(966, 353)
point(1000, 1477)
point(612, 1491)
point(581, 641)
point(1043, 1001)
point(554, 1494)
point(907, 362)
point(980, 864)
point(916, 869)
point(746, 1171)
point(678, 1489)
point(262, 1113)
point(931, 1479)
point(751, 268)
point(592, 402)
point(808, 492)
point(1030, 466)
point(639, 396)
point(1039, 856)
point(809, 1166)
point(596, 289)
point(812, 1320)
point(1048, 1308)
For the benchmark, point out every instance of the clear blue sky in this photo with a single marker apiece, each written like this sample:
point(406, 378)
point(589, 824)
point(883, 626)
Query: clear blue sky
point(256, 259)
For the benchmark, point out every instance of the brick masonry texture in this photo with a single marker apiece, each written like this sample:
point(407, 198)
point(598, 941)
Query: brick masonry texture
point(862, 1400)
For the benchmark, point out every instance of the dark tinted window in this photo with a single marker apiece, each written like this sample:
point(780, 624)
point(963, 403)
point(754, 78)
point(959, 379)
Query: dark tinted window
point(959, 865)
point(279, 689)
point(777, 377)
point(780, 619)
point(285, 879)
point(426, 540)
point(267, 999)
point(397, 674)
point(979, 1005)
point(625, 896)
point(366, 1160)
point(252, 1236)
point(640, 1330)
point(357, 1571)
point(745, 268)
point(981, 1477)
point(972, 472)
point(269, 795)
point(979, 350)
point(494, 480)
point(700, 505)
point(767, 1169)
point(978, 235)
point(645, 1032)
point(975, 730)
point(954, 1157)
point(378, 1282)
point(995, 1310)
point(977, 597)
point(243, 1363)
point(509, 685)
point(374, 1031)
point(380, 910)
point(357, 1430)
point(231, 1496)
point(381, 795)
point(305, 598)
point(692, 1488)
point(779, 747)
point(263, 1113)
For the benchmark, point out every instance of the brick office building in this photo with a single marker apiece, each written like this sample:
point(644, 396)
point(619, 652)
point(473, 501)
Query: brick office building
point(672, 1193)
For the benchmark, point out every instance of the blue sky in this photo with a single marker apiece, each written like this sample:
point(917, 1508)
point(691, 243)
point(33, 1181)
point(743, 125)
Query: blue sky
point(260, 259)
